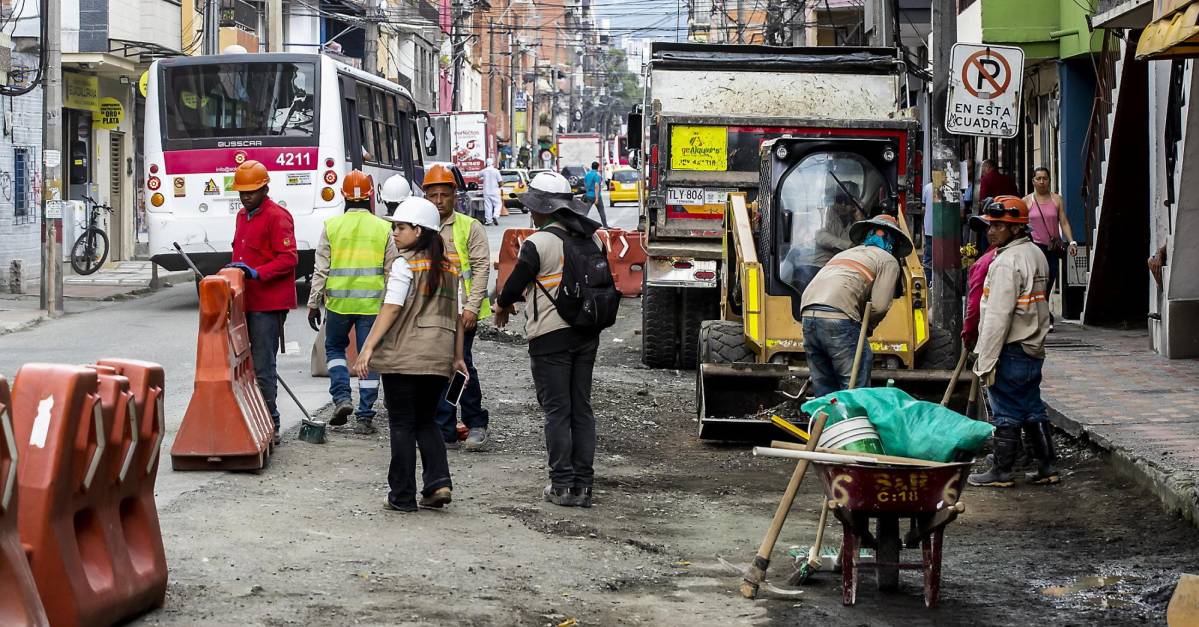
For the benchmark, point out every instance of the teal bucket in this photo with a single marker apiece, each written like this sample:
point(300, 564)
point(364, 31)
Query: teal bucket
point(855, 435)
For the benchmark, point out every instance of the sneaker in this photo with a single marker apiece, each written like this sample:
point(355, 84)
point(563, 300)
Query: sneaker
point(440, 498)
point(407, 509)
point(477, 440)
point(581, 495)
point(364, 427)
point(558, 496)
point(341, 414)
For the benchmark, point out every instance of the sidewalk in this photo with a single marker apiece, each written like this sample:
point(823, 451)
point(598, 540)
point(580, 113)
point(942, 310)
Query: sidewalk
point(1108, 387)
point(120, 278)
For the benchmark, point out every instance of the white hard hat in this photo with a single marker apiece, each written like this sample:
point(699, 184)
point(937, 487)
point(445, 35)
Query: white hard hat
point(395, 189)
point(550, 182)
point(417, 211)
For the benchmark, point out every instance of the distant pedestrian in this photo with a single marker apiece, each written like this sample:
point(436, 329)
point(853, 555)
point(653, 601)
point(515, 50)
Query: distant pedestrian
point(562, 352)
point(264, 249)
point(395, 189)
point(593, 183)
point(833, 303)
point(416, 345)
point(352, 255)
point(1014, 319)
point(465, 240)
point(975, 277)
point(492, 181)
point(994, 183)
point(1047, 223)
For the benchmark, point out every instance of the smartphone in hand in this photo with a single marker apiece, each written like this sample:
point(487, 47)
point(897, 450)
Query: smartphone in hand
point(457, 385)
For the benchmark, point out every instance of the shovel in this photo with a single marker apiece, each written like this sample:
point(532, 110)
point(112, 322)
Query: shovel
point(311, 431)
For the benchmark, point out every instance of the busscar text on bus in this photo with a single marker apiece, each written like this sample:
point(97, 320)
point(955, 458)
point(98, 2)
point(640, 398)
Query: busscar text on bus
point(307, 117)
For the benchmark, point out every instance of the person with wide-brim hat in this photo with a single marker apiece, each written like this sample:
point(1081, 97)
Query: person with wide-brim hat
point(833, 304)
point(562, 356)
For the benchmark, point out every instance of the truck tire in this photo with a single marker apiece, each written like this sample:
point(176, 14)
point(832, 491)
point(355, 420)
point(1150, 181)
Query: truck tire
point(698, 305)
point(723, 342)
point(941, 351)
point(659, 326)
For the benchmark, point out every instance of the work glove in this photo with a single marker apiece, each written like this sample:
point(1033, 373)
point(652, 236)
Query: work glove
point(251, 273)
point(314, 318)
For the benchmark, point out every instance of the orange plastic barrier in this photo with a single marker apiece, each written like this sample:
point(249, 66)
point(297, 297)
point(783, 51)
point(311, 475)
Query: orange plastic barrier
point(72, 449)
point(143, 560)
point(19, 602)
point(227, 425)
point(509, 250)
point(626, 258)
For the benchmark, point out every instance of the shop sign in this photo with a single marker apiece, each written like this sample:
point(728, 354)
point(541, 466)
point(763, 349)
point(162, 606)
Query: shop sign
point(81, 91)
point(111, 114)
point(702, 148)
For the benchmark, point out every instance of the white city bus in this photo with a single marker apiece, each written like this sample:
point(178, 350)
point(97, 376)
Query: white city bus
point(308, 118)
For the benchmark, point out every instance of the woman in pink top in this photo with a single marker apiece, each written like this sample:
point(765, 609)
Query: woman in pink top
point(1047, 219)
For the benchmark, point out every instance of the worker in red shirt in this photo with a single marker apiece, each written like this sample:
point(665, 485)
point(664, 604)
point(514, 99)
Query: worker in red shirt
point(264, 248)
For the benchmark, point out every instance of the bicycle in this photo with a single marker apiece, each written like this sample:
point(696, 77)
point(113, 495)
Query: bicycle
point(91, 249)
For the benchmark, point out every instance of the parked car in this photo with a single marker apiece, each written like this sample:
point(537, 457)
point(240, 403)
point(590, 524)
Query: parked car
point(576, 175)
point(625, 185)
point(513, 183)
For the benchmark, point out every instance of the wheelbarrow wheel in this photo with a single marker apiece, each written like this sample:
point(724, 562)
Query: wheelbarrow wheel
point(887, 553)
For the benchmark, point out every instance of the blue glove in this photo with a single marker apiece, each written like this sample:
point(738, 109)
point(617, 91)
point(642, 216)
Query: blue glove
point(250, 272)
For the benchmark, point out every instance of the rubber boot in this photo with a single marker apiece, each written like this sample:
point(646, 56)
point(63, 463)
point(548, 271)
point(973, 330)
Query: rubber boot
point(1040, 434)
point(999, 475)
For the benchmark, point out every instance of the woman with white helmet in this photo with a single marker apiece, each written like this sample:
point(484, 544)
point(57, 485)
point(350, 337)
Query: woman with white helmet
point(395, 190)
point(416, 345)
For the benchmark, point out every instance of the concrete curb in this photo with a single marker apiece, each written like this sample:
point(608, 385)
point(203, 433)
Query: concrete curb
point(1176, 490)
point(21, 326)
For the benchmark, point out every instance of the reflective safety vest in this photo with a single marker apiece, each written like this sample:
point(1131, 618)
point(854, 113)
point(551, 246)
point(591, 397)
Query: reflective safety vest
point(462, 224)
point(358, 247)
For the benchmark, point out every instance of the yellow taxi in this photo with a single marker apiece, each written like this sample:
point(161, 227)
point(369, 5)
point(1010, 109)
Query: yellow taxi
point(625, 185)
point(512, 183)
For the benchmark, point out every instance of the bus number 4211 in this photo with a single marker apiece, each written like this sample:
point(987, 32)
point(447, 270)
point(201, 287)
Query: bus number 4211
point(293, 159)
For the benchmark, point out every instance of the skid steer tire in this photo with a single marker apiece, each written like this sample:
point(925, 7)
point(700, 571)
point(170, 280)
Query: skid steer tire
point(699, 305)
point(723, 342)
point(659, 326)
point(941, 352)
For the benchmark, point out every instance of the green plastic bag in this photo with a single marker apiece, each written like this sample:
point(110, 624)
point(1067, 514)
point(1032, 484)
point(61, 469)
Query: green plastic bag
point(906, 426)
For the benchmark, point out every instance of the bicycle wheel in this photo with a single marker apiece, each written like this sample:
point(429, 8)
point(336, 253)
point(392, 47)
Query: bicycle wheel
point(89, 251)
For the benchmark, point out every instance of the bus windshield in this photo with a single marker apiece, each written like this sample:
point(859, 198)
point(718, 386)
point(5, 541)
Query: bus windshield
point(243, 100)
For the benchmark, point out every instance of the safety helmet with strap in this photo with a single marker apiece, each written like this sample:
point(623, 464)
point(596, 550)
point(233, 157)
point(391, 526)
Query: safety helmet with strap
point(249, 176)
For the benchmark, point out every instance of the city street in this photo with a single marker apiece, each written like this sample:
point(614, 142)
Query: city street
point(307, 541)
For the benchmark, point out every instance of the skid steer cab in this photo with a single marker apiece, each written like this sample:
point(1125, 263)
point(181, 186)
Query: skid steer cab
point(812, 189)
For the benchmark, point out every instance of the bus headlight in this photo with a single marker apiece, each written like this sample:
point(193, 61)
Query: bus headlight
point(157, 199)
point(327, 194)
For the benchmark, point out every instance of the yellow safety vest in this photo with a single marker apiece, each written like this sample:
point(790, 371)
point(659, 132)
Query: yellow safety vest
point(462, 224)
point(358, 247)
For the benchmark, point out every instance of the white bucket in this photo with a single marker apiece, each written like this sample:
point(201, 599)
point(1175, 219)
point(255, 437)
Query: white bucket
point(854, 434)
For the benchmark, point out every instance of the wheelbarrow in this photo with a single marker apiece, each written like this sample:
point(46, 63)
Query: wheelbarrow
point(927, 496)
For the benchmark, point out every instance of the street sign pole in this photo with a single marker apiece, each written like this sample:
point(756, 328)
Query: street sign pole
point(947, 212)
point(53, 201)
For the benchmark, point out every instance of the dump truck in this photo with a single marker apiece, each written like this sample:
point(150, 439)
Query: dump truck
point(820, 169)
point(708, 109)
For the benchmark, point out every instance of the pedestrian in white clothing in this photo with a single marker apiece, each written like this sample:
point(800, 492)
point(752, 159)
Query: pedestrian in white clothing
point(491, 193)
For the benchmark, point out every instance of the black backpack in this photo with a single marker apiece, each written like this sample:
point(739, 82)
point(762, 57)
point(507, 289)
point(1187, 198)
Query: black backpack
point(587, 297)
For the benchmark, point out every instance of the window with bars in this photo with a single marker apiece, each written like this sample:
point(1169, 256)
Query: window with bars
point(22, 190)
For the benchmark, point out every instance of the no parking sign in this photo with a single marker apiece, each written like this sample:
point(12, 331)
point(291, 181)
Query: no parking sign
point(984, 91)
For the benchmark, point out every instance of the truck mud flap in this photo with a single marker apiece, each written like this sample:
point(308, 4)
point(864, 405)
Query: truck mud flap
point(735, 401)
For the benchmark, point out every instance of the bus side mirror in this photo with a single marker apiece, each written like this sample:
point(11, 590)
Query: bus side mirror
point(634, 160)
point(634, 131)
point(430, 142)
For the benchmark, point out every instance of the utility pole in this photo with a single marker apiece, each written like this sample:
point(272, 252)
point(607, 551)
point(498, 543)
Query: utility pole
point(947, 208)
point(880, 20)
point(370, 32)
point(53, 201)
point(456, 50)
point(740, 21)
point(512, 60)
point(212, 26)
point(274, 25)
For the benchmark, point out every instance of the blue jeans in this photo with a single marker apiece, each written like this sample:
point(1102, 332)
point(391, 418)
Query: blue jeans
point(471, 403)
point(337, 339)
point(926, 260)
point(830, 344)
point(1015, 396)
point(264, 345)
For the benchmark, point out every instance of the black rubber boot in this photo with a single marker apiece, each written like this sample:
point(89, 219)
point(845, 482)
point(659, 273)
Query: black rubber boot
point(1040, 434)
point(1007, 444)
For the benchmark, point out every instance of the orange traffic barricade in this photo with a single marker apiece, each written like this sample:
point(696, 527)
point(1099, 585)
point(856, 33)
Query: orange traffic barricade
point(66, 457)
point(626, 258)
point(143, 559)
point(509, 251)
point(19, 601)
point(227, 425)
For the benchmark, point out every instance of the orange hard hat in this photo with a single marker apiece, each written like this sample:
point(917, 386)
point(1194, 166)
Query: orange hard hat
point(439, 175)
point(358, 186)
point(249, 176)
point(1006, 209)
